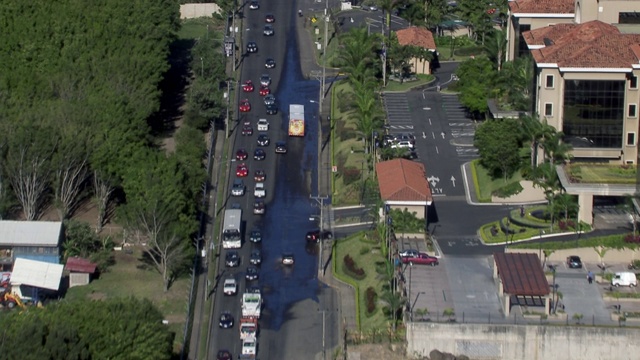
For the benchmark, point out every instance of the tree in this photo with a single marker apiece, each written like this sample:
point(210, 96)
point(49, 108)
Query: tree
point(476, 85)
point(394, 302)
point(103, 187)
point(357, 56)
point(496, 47)
point(534, 130)
point(498, 143)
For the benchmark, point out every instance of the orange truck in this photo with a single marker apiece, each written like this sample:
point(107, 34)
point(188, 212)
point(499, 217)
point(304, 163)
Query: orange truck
point(248, 327)
point(296, 120)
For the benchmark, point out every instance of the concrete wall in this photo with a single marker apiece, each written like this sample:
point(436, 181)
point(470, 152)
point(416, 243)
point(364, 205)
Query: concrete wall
point(523, 342)
point(192, 11)
point(589, 256)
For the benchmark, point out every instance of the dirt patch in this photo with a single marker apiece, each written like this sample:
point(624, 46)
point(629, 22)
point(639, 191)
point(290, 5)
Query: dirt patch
point(377, 351)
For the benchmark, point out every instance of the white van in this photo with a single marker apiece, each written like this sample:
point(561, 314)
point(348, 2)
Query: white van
point(624, 279)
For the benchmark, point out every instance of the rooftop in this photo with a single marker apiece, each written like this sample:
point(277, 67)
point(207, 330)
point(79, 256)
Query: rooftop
point(521, 274)
point(542, 6)
point(30, 233)
point(593, 44)
point(403, 180)
point(416, 36)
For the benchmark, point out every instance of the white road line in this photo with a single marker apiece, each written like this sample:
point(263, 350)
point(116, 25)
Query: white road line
point(437, 151)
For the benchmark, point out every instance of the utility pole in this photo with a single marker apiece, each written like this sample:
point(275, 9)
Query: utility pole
point(384, 53)
point(324, 51)
point(320, 200)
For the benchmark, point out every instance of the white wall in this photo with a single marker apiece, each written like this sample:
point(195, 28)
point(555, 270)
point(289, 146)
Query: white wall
point(192, 11)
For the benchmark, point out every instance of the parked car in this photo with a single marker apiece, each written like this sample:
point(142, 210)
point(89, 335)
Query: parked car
point(574, 262)
point(409, 253)
point(402, 145)
point(256, 257)
point(269, 63)
point(287, 259)
point(422, 259)
point(252, 273)
point(315, 236)
point(226, 320)
point(626, 278)
point(232, 259)
point(230, 286)
point(238, 188)
point(263, 140)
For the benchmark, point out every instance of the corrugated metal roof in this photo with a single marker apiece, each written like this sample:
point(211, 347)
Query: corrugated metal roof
point(37, 274)
point(30, 233)
point(78, 264)
point(521, 274)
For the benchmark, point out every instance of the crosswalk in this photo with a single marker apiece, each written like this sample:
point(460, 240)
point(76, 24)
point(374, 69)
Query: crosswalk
point(398, 112)
point(462, 128)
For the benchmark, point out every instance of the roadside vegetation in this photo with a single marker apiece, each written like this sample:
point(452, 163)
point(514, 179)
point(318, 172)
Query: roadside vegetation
point(106, 129)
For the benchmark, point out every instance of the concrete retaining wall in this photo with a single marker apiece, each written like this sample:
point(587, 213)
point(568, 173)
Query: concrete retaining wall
point(523, 342)
point(192, 11)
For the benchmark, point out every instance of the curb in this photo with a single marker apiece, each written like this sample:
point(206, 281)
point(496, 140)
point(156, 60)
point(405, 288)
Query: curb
point(341, 226)
point(532, 238)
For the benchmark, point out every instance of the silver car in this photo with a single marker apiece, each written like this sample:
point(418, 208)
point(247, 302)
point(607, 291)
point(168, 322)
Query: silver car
point(269, 99)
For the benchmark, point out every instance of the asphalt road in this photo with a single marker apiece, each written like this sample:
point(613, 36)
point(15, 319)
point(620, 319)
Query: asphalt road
point(295, 301)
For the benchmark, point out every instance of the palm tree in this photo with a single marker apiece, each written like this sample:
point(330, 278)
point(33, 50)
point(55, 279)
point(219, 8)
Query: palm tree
point(496, 47)
point(388, 6)
point(395, 302)
point(534, 130)
point(357, 54)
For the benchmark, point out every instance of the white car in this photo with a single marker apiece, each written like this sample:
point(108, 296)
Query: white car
point(259, 190)
point(254, 5)
point(230, 287)
point(287, 259)
point(263, 125)
point(402, 145)
point(249, 346)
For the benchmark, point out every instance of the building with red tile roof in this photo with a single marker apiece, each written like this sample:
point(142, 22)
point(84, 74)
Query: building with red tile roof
point(421, 38)
point(403, 185)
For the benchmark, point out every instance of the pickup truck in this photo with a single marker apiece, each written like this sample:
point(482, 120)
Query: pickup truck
point(259, 190)
point(248, 327)
point(263, 125)
point(249, 346)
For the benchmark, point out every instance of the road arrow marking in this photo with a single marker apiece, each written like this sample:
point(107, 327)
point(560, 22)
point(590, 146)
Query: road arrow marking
point(424, 136)
point(433, 180)
point(442, 133)
point(453, 180)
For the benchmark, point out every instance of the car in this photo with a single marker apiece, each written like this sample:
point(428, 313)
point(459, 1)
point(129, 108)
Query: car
point(245, 105)
point(253, 289)
point(248, 86)
point(247, 129)
point(314, 235)
point(252, 47)
point(264, 90)
point(265, 80)
point(402, 145)
point(256, 257)
point(269, 63)
point(224, 355)
point(410, 155)
point(232, 259)
point(236, 206)
point(270, 99)
point(409, 253)
point(404, 137)
point(242, 170)
point(259, 154)
point(574, 262)
point(260, 191)
point(259, 176)
point(269, 18)
point(254, 5)
point(238, 188)
point(241, 154)
point(422, 259)
point(226, 320)
point(287, 259)
point(263, 140)
point(252, 273)
point(259, 207)
point(272, 109)
point(388, 140)
point(281, 147)
point(255, 236)
point(263, 125)
point(230, 286)
point(268, 30)
point(373, 8)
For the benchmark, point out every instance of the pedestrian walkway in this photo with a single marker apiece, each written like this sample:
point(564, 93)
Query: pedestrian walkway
point(346, 294)
point(529, 195)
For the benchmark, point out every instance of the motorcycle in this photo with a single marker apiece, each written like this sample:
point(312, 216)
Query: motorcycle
point(299, 13)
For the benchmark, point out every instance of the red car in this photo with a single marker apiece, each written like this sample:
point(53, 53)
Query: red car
point(242, 170)
point(264, 90)
point(247, 129)
point(245, 106)
point(259, 176)
point(248, 86)
point(422, 259)
point(241, 154)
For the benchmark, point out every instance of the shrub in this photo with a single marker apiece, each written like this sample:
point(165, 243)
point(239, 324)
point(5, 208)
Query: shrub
point(508, 190)
point(350, 175)
point(352, 269)
point(632, 239)
point(364, 250)
point(370, 296)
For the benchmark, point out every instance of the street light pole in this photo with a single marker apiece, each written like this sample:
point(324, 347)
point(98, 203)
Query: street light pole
point(324, 51)
point(202, 67)
point(320, 200)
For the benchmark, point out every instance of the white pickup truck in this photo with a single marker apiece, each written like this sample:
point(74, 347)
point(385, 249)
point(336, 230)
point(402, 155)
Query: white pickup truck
point(259, 191)
point(249, 346)
point(263, 125)
point(251, 305)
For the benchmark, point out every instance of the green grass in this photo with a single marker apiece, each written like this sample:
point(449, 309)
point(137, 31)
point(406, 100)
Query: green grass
point(423, 79)
point(611, 241)
point(353, 246)
point(197, 28)
point(128, 277)
point(601, 174)
point(485, 185)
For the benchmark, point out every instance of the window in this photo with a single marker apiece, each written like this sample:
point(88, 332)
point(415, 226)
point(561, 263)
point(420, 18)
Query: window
point(548, 109)
point(549, 81)
point(629, 162)
point(633, 110)
point(631, 139)
point(633, 82)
